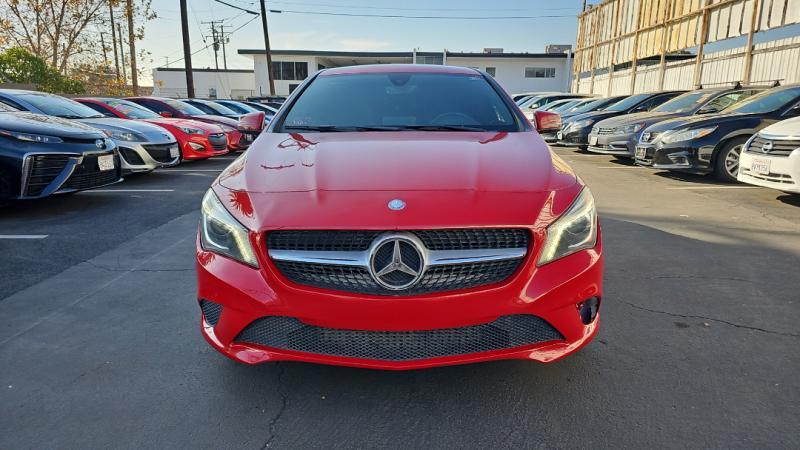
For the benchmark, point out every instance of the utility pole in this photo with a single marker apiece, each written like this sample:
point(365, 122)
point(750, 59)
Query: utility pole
point(215, 36)
point(114, 38)
point(122, 54)
point(187, 51)
point(224, 40)
point(132, 45)
point(266, 47)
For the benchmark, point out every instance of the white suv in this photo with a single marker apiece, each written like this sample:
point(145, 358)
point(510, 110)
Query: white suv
point(771, 158)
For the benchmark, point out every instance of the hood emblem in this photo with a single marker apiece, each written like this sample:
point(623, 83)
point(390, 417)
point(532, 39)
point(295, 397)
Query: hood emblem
point(99, 143)
point(397, 204)
point(767, 147)
point(396, 261)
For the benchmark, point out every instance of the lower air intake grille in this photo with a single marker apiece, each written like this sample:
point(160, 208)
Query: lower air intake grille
point(211, 311)
point(130, 156)
point(44, 169)
point(160, 152)
point(87, 175)
point(506, 332)
point(218, 141)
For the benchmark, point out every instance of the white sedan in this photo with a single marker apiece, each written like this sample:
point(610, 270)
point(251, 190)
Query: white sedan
point(771, 158)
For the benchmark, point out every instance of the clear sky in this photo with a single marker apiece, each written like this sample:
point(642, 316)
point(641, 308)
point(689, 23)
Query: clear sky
point(298, 31)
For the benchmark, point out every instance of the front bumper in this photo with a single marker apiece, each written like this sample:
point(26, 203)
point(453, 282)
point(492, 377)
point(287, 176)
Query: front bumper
point(682, 156)
point(573, 137)
point(148, 156)
point(552, 293)
point(205, 146)
point(775, 172)
point(612, 144)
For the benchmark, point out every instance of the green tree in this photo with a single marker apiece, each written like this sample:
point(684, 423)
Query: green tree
point(18, 65)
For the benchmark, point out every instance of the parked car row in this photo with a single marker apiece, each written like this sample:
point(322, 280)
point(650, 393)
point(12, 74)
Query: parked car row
point(745, 133)
point(51, 144)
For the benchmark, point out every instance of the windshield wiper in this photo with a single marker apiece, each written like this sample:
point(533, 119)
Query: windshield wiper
point(441, 128)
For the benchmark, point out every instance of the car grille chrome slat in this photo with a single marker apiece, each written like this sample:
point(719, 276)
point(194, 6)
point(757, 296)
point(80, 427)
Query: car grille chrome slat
point(776, 147)
point(506, 332)
point(43, 170)
point(455, 259)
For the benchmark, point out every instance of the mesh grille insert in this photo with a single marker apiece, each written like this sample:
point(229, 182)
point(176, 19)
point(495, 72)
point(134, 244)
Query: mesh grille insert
point(506, 332)
point(211, 311)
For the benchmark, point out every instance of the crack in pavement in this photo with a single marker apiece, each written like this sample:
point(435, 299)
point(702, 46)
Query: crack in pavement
point(111, 269)
point(284, 401)
point(712, 319)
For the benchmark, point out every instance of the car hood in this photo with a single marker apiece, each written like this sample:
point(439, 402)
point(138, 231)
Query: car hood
point(217, 119)
point(25, 122)
point(189, 123)
point(449, 179)
point(595, 116)
point(152, 133)
point(699, 121)
point(789, 128)
point(647, 118)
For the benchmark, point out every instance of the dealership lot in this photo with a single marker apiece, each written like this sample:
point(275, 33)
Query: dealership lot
point(100, 341)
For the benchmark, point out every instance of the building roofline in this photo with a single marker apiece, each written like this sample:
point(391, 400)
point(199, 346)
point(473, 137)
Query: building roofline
point(183, 69)
point(249, 51)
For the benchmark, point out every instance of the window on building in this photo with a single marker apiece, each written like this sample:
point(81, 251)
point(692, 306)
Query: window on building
point(540, 72)
point(435, 59)
point(491, 70)
point(288, 70)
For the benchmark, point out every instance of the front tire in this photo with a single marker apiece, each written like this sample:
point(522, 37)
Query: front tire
point(726, 164)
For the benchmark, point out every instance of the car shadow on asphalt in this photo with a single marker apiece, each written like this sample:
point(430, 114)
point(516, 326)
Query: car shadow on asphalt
point(707, 179)
point(790, 199)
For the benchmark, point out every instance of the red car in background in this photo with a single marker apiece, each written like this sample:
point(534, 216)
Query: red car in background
point(171, 108)
point(197, 140)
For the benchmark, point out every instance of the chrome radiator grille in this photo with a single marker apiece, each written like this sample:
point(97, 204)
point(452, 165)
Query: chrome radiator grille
point(427, 261)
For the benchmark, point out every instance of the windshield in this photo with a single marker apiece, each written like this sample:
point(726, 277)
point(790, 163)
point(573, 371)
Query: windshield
point(765, 102)
point(132, 110)
point(221, 109)
point(685, 102)
point(239, 108)
point(566, 106)
point(591, 106)
point(530, 101)
point(401, 100)
point(53, 105)
point(184, 108)
point(628, 103)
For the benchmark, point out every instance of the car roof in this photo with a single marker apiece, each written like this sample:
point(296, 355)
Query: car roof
point(402, 68)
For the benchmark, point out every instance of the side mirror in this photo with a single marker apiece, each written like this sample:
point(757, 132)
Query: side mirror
point(545, 121)
point(252, 122)
point(165, 114)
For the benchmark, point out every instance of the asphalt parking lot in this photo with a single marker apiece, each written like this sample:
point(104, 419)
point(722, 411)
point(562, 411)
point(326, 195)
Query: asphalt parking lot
point(698, 347)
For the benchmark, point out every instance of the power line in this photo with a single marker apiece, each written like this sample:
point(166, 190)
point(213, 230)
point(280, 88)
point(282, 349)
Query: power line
point(396, 8)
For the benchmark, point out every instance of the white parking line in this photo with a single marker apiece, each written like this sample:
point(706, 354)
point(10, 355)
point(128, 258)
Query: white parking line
point(130, 190)
point(690, 188)
point(23, 236)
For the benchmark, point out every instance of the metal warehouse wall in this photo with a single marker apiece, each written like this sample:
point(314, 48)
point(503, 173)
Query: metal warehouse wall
point(630, 46)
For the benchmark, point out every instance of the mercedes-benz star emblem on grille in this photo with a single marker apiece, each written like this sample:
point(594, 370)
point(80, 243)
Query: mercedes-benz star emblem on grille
point(396, 261)
point(397, 204)
point(767, 147)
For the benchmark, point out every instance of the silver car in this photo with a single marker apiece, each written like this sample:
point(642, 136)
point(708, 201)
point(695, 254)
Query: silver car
point(619, 135)
point(143, 147)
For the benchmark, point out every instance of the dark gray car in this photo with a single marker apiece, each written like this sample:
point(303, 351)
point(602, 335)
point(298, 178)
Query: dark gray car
point(619, 135)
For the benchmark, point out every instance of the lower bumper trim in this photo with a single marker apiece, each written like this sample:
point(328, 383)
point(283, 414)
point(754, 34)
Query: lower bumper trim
point(507, 332)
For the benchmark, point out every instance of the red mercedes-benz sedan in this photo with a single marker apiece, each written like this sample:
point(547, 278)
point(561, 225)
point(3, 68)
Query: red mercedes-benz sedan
point(196, 140)
point(399, 217)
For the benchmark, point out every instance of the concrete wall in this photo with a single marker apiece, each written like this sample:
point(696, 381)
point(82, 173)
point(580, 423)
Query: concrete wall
point(228, 84)
point(510, 72)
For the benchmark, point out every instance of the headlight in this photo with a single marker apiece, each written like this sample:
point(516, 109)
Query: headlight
point(221, 233)
point(686, 135)
point(575, 230)
point(227, 128)
point(190, 130)
point(126, 136)
point(633, 128)
point(27, 137)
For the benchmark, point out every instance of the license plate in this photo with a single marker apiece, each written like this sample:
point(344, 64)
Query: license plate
point(592, 140)
point(173, 152)
point(760, 166)
point(105, 162)
point(641, 152)
point(560, 135)
point(248, 137)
